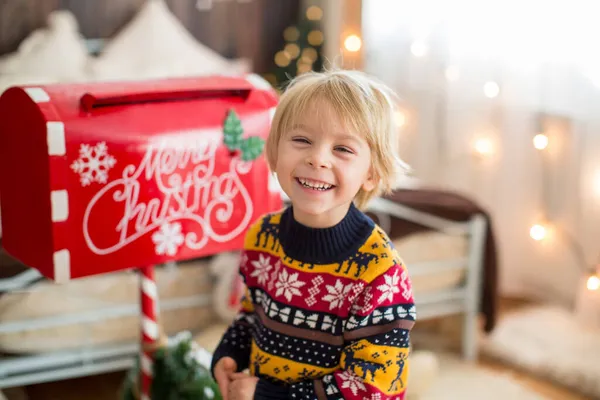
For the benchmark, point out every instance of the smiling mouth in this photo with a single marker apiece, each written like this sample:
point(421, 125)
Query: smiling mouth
point(315, 185)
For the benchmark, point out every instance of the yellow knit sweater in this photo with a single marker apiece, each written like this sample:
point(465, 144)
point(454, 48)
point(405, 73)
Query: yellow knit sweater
point(327, 312)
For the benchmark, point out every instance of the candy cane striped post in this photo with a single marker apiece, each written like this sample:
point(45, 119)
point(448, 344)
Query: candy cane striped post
point(149, 300)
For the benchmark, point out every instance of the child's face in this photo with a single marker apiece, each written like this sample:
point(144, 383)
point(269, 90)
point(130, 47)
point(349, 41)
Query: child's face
point(321, 166)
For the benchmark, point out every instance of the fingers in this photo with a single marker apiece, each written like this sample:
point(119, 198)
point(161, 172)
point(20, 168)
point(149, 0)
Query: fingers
point(242, 387)
point(223, 387)
point(223, 382)
point(223, 368)
point(238, 375)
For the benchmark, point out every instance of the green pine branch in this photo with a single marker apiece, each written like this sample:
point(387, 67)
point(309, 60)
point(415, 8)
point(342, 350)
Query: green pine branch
point(177, 374)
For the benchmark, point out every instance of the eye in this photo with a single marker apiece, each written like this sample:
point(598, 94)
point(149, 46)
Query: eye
point(300, 139)
point(344, 149)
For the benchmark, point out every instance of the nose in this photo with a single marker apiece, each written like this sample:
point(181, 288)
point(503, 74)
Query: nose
point(318, 158)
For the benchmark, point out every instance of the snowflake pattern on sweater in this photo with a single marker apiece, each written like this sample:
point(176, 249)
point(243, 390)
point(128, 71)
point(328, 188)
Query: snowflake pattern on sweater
point(311, 330)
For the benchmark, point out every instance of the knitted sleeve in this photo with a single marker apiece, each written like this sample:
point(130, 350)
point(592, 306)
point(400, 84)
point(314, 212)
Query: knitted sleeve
point(374, 363)
point(236, 341)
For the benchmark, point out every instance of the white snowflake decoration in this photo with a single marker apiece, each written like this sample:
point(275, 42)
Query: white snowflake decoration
point(351, 381)
point(336, 294)
point(389, 288)
point(168, 239)
point(288, 285)
point(93, 163)
point(261, 269)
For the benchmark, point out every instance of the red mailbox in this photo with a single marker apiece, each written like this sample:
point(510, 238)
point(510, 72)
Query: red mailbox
point(101, 177)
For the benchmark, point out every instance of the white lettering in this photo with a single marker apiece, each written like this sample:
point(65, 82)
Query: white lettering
point(187, 189)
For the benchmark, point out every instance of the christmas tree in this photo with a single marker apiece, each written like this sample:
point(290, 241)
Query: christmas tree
point(302, 51)
point(181, 371)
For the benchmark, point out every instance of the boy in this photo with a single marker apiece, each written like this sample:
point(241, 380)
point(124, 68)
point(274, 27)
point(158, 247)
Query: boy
point(328, 305)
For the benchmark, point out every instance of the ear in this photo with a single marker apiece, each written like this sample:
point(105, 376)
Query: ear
point(370, 183)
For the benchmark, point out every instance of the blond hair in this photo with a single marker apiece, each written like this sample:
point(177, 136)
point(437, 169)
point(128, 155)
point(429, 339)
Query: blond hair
point(363, 104)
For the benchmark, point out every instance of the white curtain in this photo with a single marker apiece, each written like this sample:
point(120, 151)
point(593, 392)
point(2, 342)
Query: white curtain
point(447, 60)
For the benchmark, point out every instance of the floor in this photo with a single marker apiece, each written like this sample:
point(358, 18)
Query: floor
point(547, 389)
point(552, 392)
point(106, 387)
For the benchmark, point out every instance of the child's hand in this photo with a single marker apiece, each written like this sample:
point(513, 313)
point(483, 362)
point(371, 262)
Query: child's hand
point(242, 386)
point(225, 367)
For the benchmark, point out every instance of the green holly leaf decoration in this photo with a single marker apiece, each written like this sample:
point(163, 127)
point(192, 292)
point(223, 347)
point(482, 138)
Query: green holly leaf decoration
point(232, 131)
point(252, 147)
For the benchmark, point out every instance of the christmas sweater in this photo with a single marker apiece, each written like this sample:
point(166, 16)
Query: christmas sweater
point(326, 312)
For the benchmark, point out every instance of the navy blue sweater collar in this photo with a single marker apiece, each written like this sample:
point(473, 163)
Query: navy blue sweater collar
point(324, 245)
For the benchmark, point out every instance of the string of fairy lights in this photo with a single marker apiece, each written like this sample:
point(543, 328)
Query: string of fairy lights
point(484, 146)
point(301, 50)
point(304, 52)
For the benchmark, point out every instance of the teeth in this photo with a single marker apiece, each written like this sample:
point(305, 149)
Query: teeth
point(314, 185)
